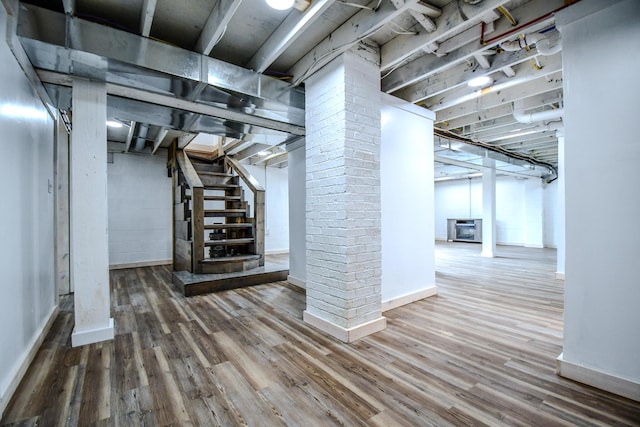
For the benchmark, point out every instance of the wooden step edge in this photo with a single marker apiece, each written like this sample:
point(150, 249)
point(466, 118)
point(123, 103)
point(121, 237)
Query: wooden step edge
point(219, 198)
point(216, 174)
point(229, 242)
point(225, 226)
point(220, 186)
point(223, 211)
point(235, 258)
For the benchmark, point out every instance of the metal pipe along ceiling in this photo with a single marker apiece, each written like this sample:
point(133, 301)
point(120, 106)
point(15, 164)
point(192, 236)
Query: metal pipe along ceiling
point(522, 117)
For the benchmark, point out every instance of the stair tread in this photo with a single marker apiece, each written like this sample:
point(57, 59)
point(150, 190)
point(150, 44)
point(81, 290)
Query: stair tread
point(220, 174)
point(220, 186)
point(234, 258)
point(220, 226)
point(224, 210)
point(223, 242)
point(221, 198)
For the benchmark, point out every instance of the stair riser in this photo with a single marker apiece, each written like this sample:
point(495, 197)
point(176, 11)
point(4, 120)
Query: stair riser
point(208, 180)
point(230, 267)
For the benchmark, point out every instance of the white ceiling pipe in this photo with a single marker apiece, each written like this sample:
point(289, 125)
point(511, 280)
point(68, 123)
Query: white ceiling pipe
point(542, 116)
point(545, 45)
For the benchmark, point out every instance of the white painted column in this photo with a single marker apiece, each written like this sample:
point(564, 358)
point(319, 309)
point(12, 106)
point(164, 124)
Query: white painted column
point(489, 208)
point(297, 221)
point(343, 263)
point(89, 235)
point(61, 212)
point(601, 342)
point(560, 211)
point(533, 213)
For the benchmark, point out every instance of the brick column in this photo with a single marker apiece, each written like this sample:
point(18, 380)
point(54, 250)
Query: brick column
point(343, 196)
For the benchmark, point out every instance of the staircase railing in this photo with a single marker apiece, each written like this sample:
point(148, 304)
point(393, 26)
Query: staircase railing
point(258, 203)
point(197, 212)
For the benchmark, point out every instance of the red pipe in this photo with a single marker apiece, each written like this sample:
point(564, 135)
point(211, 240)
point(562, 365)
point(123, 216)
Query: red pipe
point(526, 24)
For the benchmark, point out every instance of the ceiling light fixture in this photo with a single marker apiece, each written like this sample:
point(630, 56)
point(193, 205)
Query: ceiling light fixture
point(479, 81)
point(114, 124)
point(280, 4)
point(263, 153)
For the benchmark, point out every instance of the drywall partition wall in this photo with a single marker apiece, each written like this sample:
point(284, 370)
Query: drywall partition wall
point(406, 180)
point(550, 203)
point(139, 198)
point(297, 214)
point(602, 286)
point(275, 182)
point(28, 302)
point(463, 199)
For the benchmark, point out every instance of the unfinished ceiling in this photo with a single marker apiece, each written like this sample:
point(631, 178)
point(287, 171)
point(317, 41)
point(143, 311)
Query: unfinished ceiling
point(177, 68)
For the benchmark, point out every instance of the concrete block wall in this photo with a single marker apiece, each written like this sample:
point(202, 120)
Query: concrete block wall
point(343, 189)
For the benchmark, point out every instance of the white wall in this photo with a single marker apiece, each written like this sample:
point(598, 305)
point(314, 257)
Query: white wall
point(602, 154)
point(297, 215)
point(139, 196)
point(406, 184)
point(26, 220)
point(463, 199)
point(275, 181)
point(550, 203)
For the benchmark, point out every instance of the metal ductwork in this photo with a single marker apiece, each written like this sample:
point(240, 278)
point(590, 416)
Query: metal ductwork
point(541, 116)
point(157, 84)
point(141, 138)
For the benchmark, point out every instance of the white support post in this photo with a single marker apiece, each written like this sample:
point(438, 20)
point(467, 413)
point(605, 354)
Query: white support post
point(560, 211)
point(489, 208)
point(343, 207)
point(89, 236)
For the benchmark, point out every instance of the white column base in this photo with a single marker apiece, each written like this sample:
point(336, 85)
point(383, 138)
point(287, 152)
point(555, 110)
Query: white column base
point(344, 334)
point(487, 254)
point(297, 282)
point(91, 336)
point(559, 275)
point(405, 299)
point(598, 379)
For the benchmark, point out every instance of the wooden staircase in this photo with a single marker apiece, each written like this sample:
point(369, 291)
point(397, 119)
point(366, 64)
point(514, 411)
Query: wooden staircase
point(214, 232)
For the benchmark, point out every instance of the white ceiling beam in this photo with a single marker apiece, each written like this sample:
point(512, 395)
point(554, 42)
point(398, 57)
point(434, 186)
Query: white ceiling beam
point(291, 28)
point(426, 22)
point(463, 38)
point(547, 139)
point(216, 25)
point(358, 27)
point(525, 72)
point(459, 75)
point(427, 65)
point(427, 9)
point(146, 18)
point(494, 98)
point(251, 151)
point(492, 114)
point(277, 160)
point(450, 22)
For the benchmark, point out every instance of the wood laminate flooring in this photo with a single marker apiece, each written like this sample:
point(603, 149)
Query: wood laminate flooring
point(482, 352)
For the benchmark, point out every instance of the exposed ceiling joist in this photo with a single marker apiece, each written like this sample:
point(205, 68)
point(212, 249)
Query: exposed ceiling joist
point(358, 27)
point(146, 18)
point(493, 99)
point(503, 110)
point(450, 22)
point(525, 72)
point(427, 9)
point(288, 32)
point(428, 65)
point(216, 25)
point(127, 142)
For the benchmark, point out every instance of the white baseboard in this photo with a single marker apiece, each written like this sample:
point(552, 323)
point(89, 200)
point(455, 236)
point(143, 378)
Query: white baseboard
point(344, 334)
point(408, 298)
point(277, 252)
point(297, 282)
point(140, 264)
point(598, 379)
point(559, 275)
point(91, 336)
point(535, 245)
point(27, 357)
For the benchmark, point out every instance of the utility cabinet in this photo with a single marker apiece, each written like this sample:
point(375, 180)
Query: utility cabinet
point(464, 230)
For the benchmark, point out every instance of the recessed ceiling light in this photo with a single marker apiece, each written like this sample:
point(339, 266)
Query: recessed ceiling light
point(479, 81)
point(280, 4)
point(263, 153)
point(114, 124)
